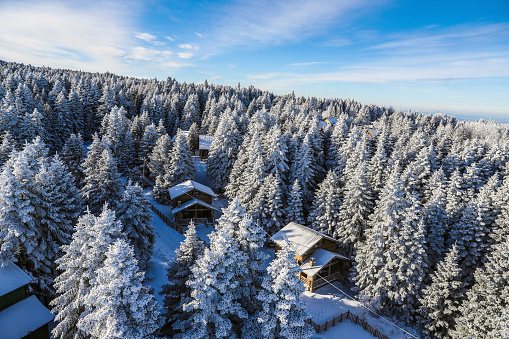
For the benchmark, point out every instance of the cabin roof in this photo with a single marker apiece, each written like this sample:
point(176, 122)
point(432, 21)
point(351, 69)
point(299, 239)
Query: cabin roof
point(191, 203)
point(12, 277)
point(24, 317)
point(331, 120)
point(322, 257)
point(205, 141)
point(301, 237)
point(188, 186)
point(372, 130)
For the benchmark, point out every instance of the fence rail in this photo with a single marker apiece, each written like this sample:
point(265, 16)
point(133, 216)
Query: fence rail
point(167, 220)
point(347, 315)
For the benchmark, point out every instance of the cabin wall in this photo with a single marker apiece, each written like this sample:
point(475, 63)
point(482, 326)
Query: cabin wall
point(194, 194)
point(12, 297)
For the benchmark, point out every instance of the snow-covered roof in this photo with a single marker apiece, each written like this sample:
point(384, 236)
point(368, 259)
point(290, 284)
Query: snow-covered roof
point(191, 203)
point(322, 124)
point(205, 141)
point(332, 121)
point(188, 186)
point(12, 277)
point(24, 317)
point(301, 237)
point(372, 131)
point(322, 257)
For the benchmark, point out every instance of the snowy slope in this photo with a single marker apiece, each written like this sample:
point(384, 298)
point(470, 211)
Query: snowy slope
point(167, 241)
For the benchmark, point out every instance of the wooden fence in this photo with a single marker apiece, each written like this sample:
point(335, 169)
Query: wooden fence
point(347, 315)
point(167, 220)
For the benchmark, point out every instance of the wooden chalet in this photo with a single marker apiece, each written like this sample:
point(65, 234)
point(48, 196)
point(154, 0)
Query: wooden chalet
point(204, 146)
point(329, 121)
point(192, 201)
point(21, 316)
point(315, 253)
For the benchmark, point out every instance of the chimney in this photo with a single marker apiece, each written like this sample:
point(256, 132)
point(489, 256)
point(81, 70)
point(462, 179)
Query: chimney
point(311, 261)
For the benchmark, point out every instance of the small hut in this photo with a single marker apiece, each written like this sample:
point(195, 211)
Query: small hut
point(329, 121)
point(21, 316)
point(192, 201)
point(315, 253)
point(205, 141)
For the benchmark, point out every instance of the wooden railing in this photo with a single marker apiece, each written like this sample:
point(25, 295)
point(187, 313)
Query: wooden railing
point(355, 319)
point(328, 279)
point(167, 220)
point(197, 221)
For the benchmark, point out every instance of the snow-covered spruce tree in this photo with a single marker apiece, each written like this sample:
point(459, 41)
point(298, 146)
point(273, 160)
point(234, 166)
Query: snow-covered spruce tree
point(6, 147)
point(59, 207)
point(277, 150)
point(22, 237)
point(435, 218)
point(356, 208)
point(181, 166)
point(147, 143)
point(379, 163)
point(324, 216)
point(191, 113)
point(120, 305)
point(73, 155)
point(102, 183)
point(78, 266)
point(116, 130)
point(487, 300)
point(370, 254)
point(251, 179)
point(440, 300)
point(135, 216)
point(223, 151)
point(305, 170)
point(271, 216)
point(160, 156)
point(216, 305)
point(176, 292)
point(283, 314)
point(294, 211)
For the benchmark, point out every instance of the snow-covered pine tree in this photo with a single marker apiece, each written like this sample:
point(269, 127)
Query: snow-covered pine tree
point(120, 305)
point(191, 113)
point(356, 207)
point(277, 150)
point(283, 314)
point(272, 204)
point(6, 147)
point(135, 215)
point(147, 143)
point(294, 211)
point(441, 299)
point(181, 166)
point(324, 216)
point(78, 266)
point(176, 292)
point(305, 170)
point(487, 300)
point(102, 183)
point(73, 155)
point(215, 306)
point(160, 156)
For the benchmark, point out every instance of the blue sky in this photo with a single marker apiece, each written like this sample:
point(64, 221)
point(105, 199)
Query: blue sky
point(428, 56)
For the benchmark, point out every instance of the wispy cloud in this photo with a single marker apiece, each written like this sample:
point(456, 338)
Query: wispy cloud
point(185, 55)
point(188, 46)
point(98, 36)
point(170, 38)
point(200, 35)
point(269, 22)
point(304, 64)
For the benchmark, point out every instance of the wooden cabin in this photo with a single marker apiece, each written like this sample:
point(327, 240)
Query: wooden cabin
point(315, 253)
point(21, 316)
point(205, 141)
point(192, 201)
point(329, 121)
point(371, 131)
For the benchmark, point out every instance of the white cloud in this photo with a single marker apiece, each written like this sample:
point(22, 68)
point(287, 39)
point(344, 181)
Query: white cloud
point(170, 38)
point(186, 46)
point(303, 64)
point(185, 55)
point(145, 36)
point(270, 22)
point(200, 35)
point(97, 37)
